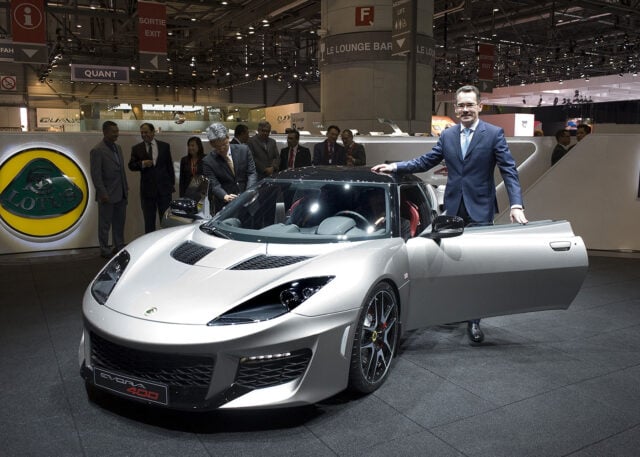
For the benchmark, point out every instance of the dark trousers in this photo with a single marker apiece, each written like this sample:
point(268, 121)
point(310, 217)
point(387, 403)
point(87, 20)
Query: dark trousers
point(111, 216)
point(152, 208)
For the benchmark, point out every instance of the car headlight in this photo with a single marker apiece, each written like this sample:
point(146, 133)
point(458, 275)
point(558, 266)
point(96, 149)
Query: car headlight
point(107, 279)
point(273, 303)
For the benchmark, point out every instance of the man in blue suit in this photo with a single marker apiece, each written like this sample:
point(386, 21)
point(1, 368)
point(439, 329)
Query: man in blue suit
point(471, 150)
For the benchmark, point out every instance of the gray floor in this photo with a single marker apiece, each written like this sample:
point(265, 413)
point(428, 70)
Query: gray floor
point(544, 384)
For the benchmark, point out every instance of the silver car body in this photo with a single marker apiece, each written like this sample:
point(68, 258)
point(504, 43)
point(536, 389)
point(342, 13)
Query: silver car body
point(156, 335)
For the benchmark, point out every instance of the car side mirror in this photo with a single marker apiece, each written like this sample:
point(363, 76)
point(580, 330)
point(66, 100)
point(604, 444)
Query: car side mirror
point(184, 207)
point(445, 227)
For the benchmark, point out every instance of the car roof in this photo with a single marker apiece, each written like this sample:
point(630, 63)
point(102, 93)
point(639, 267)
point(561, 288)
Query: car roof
point(344, 174)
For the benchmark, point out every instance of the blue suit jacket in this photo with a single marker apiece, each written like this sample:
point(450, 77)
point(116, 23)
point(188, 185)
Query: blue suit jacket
point(471, 179)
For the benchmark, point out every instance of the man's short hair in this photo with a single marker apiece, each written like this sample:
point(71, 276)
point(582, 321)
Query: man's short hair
point(469, 88)
point(106, 125)
point(333, 127)
point(560, 133)
point(585, 127)
point(148, 124)
point(294, 131)
point(264, 124)
point(240, 129)
point(217, 131)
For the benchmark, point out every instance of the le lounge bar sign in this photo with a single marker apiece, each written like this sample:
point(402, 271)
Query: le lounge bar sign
point(366, 46)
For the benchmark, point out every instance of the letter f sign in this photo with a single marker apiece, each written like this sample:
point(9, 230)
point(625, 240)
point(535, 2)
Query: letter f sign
point(364, 15)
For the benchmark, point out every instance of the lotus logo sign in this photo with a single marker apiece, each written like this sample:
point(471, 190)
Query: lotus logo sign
point(43, 193)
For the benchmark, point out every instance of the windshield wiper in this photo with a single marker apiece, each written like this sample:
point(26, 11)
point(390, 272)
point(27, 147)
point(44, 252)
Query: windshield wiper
point(211, 230)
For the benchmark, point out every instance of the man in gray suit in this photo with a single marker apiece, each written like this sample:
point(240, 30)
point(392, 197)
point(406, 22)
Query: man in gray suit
point(229, 167)
point(265, 151)
point(110, 181)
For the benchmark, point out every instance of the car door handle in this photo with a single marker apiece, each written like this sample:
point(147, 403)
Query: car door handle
point(560, 245)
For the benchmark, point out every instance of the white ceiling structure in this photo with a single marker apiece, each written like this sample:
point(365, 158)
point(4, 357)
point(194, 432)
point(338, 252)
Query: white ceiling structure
point(598, 89)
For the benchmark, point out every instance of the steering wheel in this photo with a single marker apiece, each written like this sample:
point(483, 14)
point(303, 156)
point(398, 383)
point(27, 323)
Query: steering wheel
point(354, 215)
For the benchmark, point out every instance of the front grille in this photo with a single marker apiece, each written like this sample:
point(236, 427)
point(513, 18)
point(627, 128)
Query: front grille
point(187, 376)
point(257, 374)
point(264, 262)
point(190, 252)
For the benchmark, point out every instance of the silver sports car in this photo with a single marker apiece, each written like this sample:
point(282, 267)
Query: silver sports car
point(302, 287)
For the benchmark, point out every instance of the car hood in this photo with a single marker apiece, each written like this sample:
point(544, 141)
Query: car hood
point(156, 286)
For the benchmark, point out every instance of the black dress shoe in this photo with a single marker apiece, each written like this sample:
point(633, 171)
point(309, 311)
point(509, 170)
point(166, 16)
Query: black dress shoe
point(475, 332)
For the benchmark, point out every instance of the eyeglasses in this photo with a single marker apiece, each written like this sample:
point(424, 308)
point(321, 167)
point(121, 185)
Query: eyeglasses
point(466, 105)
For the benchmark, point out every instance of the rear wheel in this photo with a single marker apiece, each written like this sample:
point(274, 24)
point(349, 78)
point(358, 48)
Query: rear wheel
point(375, 340)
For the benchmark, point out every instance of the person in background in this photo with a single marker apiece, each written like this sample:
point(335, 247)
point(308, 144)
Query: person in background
point(471, 149)
point(265, 151)
point(294, 155)
point(538, 132)
point(191, 169)
point(110, 180)
point(329, 152)
point(582, 130)
point(229, 167)
point(152, 158)
point(240, 134)
point(356, 155)
point(563, 137)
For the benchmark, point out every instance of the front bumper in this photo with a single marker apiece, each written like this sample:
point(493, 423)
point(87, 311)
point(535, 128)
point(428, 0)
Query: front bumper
point(295, 361)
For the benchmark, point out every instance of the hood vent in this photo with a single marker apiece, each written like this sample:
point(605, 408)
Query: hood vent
point(265, 262)
point(190, 252)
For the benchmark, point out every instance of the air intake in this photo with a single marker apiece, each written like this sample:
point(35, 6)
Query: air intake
point(265, 262)
point(190, 253)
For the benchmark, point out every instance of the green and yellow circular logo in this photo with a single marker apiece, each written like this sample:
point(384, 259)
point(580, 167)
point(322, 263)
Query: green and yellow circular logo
point(43, 192)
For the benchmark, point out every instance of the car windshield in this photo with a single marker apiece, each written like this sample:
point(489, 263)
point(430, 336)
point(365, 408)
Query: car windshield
point(282, 211)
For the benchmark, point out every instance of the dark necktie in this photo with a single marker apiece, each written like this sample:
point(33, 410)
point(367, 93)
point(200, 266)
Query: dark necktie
point(292, 157)
point(150, 149)
point(114, 148)
point(330, 153)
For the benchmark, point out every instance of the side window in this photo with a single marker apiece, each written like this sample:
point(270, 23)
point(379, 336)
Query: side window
point(415, 208)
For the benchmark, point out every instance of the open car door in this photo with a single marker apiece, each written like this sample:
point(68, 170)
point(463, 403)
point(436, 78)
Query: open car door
point(493, 270)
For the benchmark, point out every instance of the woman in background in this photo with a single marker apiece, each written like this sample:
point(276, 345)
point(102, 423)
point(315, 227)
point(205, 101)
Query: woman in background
point(191, 169)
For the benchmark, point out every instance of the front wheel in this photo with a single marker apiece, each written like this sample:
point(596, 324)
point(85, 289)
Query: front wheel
point(375, 340)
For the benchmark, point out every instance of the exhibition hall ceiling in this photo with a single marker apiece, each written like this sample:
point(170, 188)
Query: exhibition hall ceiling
point(223, 43)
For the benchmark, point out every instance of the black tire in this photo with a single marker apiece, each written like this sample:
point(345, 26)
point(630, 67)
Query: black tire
point(375, 340)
